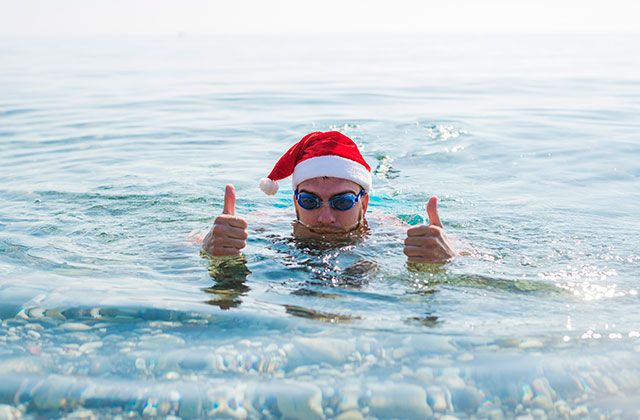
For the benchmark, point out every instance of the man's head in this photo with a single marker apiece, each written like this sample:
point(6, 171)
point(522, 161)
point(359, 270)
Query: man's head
point(326, 218)
point(330, 178)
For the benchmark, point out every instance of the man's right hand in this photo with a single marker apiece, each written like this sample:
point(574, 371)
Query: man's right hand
point(229, 232)
point(428, 243)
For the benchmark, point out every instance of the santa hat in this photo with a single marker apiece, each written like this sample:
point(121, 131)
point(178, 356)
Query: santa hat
point(320, 154)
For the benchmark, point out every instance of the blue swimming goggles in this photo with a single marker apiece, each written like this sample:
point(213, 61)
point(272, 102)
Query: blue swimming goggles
point(340, 202)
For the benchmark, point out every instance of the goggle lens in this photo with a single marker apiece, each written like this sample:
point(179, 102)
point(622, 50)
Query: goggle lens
point(343, 202)
point(309, 201)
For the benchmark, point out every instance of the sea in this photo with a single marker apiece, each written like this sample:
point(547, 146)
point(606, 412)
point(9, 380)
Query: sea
point(114, 156)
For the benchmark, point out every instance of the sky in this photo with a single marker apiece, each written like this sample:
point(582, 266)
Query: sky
point(160, 17)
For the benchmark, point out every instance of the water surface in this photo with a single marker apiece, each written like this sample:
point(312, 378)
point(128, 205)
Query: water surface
point(114, 153)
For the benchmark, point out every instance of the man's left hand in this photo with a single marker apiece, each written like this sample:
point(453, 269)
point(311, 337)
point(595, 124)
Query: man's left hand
point(428, 243)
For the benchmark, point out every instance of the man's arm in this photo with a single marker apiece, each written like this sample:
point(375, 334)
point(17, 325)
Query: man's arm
point(428, 243)
point(229, 232)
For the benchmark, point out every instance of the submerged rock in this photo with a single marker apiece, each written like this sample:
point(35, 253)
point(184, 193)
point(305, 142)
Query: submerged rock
point(350, 415)
point(531, 343)
point(398, 401)
point(466, 399)
point(229, 402)
point(541, 387)
point(312, 350)
point(8, 412)
point(527, 394)
point(100, 365)
point(90, 346)
point(160, 341)
point(563, 409)
point(55, 393)
point(437, 399)
point(22, 365)
point(422, 375)
point(196, 361)
point(543, 402)
point(299, 401)
point(81, 415)
point(190, 404)
point(489, 412)
point(293, 400)
point(74, 326)
point(451, 379)
point(349, 398)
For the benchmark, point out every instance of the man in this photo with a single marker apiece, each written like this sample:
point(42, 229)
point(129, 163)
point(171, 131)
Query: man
point(331, 182)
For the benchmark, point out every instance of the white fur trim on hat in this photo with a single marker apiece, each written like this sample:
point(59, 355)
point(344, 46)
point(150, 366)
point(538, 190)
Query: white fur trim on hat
point(333, 166)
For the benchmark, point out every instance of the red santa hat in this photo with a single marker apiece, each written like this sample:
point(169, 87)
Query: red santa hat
point(320, 154)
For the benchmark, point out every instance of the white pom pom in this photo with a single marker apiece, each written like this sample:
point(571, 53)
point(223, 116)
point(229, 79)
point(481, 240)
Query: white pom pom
point(268, 186)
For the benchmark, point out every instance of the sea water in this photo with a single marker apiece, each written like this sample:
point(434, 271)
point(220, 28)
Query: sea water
point(114, 154)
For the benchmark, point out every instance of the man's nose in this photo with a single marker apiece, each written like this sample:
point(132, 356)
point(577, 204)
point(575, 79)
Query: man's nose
point(326, 215)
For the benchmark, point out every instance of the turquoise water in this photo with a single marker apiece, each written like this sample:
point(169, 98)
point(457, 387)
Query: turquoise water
point(114, 153)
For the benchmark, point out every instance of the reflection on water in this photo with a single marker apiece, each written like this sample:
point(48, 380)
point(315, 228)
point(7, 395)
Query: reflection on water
point(433, 276)
point(427, 320)
point(229, 275)
point(317, 315)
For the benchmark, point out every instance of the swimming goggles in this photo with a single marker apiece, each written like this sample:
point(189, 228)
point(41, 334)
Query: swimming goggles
point(340, 202)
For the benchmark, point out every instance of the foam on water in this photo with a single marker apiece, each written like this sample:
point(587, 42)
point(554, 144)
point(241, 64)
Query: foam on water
point(113, 159)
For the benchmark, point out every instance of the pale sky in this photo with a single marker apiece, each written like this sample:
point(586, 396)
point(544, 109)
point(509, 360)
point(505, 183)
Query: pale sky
point(128, 17)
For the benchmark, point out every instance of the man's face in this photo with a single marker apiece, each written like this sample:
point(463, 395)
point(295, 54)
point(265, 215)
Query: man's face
point(326, 219)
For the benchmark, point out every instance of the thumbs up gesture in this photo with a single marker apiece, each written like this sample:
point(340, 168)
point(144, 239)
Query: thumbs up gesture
point(428, 243)
point(229, 232)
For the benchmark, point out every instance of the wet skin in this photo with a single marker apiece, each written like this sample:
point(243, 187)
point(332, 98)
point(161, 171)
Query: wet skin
point(426, 244)
point(229, 232)
point(325, 219)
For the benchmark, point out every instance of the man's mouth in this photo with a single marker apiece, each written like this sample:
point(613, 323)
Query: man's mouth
point(323, 230)
point(329, 230)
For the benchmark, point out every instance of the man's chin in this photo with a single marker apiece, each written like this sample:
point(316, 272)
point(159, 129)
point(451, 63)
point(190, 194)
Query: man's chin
point(323, 232)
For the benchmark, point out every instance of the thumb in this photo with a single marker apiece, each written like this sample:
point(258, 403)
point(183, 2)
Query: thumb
point(229, 200)
point(432, 212)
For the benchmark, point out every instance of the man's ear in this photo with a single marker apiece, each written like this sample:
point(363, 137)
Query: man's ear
point(295, 206)
point(365, 203)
